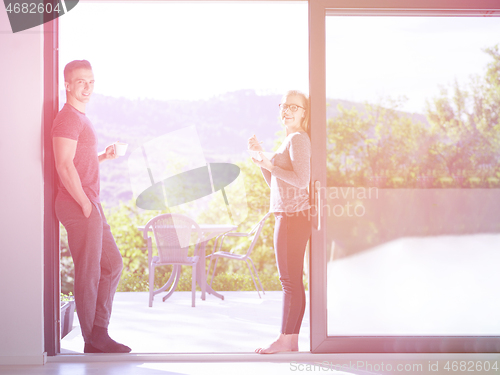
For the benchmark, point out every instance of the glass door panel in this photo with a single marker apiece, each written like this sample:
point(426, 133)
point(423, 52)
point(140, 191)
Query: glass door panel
point(185, 84)
point(413, 178)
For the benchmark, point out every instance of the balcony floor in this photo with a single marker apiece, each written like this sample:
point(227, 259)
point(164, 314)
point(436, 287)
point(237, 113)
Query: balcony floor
point(240, 323)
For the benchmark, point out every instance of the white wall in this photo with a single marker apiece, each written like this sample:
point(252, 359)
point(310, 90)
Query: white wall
point(21, 195)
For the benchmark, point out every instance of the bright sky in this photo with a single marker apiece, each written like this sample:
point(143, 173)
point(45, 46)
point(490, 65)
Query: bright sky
point(373, 57)
point(198, 50)
point(191, 50)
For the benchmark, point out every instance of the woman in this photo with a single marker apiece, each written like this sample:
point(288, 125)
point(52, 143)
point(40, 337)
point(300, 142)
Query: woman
point(288, 176)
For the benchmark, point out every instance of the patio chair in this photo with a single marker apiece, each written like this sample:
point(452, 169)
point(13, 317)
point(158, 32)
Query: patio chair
point(173, 234)
point(254, 232)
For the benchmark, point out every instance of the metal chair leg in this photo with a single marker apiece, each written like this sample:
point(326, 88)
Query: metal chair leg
point(256, 274)
point(253, 279)
point(174, 278)
point(213, 273)
point(193, 285)
point(151, 285)
point(213, 252)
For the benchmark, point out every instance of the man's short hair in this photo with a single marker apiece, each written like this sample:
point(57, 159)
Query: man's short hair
point(74, 65)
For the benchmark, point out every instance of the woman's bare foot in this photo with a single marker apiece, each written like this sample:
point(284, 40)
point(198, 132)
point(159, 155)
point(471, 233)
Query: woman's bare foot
point(284, 343)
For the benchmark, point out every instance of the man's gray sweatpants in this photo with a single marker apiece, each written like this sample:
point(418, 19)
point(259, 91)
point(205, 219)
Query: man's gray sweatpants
point(98, 263)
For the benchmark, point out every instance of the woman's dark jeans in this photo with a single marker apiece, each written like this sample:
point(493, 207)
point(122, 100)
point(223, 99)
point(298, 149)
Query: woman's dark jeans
point(291, 233)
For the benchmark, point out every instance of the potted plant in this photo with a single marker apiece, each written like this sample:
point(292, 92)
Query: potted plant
point(67, 313)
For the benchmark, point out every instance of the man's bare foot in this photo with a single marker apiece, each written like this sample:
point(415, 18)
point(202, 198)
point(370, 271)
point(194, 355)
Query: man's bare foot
point(284, 343)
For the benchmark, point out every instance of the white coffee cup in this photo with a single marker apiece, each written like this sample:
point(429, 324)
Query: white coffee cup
point(256, 154)
point(120, 148)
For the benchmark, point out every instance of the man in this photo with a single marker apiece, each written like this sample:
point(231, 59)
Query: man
point(97, 260)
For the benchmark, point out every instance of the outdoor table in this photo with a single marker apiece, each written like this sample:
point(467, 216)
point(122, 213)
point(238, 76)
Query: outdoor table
point(209, 231)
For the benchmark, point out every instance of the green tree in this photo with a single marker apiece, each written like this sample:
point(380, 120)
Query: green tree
point(378, 142)
point(231, 275)
point(257, 196)
point(465, 125)
point(385, 147)
point(66, 263)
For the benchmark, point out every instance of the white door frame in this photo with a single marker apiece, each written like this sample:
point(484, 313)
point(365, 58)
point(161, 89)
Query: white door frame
point(318, 11)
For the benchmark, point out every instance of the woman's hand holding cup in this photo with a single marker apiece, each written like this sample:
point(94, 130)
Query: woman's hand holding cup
point(254, 144)
point(264, 162)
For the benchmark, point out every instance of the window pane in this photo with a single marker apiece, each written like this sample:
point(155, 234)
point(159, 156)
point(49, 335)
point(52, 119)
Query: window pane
point(413, 171)
point(215, 72)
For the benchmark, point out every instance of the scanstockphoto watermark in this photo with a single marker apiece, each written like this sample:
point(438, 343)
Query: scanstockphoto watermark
point(26, 14)
point(443, 366)
point(352, 193)
point(349, 209)
point(356, 365)
point(337, 201)
point(346, 201)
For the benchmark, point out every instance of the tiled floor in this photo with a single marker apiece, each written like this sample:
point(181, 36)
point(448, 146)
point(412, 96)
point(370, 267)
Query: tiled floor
point(219, 337)
point(157, 368)
point(240, 323)
point(250, 364)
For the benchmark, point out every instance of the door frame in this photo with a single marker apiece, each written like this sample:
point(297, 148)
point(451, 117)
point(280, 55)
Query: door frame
point(52, 282)
point(318, 11)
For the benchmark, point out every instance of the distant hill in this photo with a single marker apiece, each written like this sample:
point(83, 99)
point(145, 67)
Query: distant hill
point(224, 123)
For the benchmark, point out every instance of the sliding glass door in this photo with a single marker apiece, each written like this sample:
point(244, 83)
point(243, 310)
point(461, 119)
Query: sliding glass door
point(405, 235)
point(185, 87)
point(406, 170)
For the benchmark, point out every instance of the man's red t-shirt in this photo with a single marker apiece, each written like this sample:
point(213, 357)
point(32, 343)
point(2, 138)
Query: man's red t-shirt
point(73, 124)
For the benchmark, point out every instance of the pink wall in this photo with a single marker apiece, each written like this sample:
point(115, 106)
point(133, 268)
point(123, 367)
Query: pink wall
point(21, 192)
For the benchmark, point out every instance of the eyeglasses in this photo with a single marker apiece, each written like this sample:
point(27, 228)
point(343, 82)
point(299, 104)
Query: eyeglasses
point(293, 107)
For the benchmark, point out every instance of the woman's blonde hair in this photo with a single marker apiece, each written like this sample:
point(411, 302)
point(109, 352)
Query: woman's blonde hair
point(305, 102)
